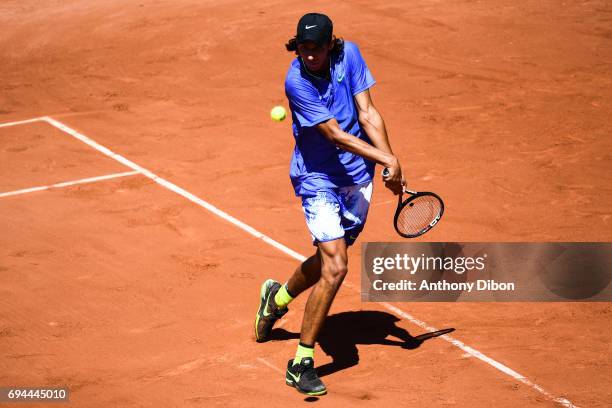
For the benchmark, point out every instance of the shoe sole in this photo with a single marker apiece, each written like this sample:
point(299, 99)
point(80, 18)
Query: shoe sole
point(313, 394)
point(262, 300)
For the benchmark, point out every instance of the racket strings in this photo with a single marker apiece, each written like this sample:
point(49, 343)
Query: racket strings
point(418, 214)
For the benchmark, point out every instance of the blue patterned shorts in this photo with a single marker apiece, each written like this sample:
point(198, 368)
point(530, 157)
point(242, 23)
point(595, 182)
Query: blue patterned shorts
point(337, 213)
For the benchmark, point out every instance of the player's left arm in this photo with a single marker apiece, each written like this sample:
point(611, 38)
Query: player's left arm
point(371, 121)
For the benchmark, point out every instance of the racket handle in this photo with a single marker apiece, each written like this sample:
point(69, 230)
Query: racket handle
point(385, 173)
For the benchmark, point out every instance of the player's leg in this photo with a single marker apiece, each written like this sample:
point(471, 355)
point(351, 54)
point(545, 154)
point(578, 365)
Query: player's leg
point(334, 266)
point(275, 297)
point(324, 222)
point(351, 209)
point(301, 373)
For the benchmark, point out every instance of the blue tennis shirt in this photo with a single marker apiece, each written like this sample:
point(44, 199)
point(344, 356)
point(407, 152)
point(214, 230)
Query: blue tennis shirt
point(317, 164)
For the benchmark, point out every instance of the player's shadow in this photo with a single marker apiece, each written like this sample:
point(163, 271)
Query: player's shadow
point(342, 333)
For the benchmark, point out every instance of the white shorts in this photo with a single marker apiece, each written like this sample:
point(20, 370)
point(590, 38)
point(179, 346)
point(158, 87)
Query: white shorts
point(337, 213)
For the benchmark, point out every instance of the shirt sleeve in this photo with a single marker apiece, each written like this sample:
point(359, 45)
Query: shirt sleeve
point(360, 76)
point(305, 103)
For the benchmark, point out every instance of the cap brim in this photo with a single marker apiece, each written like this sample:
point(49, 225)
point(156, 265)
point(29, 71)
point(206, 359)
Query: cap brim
point(314, 38)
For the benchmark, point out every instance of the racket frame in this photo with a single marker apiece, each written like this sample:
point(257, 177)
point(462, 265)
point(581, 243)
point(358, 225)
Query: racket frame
point(414, 195)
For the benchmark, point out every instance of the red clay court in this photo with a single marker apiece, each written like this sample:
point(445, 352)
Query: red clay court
point(125, 127)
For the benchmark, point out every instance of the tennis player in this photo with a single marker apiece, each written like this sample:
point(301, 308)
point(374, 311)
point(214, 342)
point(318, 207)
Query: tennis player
point(339, 137)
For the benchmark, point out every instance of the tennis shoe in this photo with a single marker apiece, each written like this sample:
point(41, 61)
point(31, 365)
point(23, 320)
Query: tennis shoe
point(268, 312)
point(303, 377)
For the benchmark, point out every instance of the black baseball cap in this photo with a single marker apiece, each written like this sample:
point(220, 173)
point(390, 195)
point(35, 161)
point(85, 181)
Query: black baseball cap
point(314, 27)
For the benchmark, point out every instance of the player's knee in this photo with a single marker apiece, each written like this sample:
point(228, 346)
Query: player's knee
point(335, 271)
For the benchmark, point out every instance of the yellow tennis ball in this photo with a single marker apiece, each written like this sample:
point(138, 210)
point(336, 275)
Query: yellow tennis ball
point(278, 113)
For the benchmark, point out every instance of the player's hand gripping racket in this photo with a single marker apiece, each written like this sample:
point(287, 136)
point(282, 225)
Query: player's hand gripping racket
point(418, 213)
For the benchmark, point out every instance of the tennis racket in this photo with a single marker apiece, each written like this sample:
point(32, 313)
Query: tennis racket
point(418, 213)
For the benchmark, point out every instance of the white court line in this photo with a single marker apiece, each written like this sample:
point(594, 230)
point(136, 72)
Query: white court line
point(475, 353)
point(272, 366)
point(67, 183)
point(20, 122)
point(173, 187)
